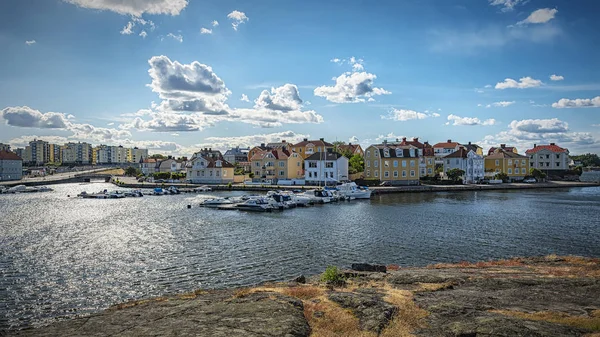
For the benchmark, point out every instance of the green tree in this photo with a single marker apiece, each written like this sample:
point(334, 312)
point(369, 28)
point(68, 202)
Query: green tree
point(588, 159)
point(537, 174)
point(502, 176)
point(131, 171)
point(455, 174)
point(158, 156)
point(356, 164)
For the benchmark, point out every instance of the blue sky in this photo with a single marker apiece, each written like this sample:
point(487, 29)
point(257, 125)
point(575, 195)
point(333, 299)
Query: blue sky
point(162, 74)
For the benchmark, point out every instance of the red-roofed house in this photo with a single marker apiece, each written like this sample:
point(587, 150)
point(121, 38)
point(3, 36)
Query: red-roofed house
point(443, 149)
point(548, 157)
point(277, 164)
point(502, 147)
point(11, 166)
point(209, 167)
point(426, 155)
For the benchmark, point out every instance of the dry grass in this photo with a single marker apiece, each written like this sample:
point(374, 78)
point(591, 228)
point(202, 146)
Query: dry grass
point(434, 286)
point(393, 267)
point(515, 262)
point(335, 322)
point(114, 172)
point(409, 316)
point(243, 292)
point(591, 323)
point(303, 292)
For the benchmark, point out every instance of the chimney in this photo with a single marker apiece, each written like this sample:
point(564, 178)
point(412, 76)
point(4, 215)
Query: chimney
point(349, 143)
point(385, 142)
point(305, 139)
point(322, 139)
point(449, 140)
point(416, 139)
point(502, 145)
point(283, 140)
point(262, 144)
point(403, 139)
point(469, 143)
point(552, 143)
point(534, 146)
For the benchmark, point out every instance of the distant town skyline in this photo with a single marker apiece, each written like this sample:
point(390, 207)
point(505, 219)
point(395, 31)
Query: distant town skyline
point(175, 76)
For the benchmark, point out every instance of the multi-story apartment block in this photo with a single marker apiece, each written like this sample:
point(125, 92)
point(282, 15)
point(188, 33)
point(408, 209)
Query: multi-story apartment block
point(393, 163)
point(513, 164)
point(548, 157)
point(77, 153)
point(426, 155)
point(37, 152)
point(134, 155)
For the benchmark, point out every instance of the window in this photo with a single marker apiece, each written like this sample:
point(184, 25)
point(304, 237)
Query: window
point(456, 161)
point(281, 164)
point(517, 170)
point(497, 162)
point(404, 173)
point(210, 173)
point(547, 156)
point(197, 173)
point(376, 173)
point(256, 173)
point(309, 174)
point(312, 164)
point(217, 173)
point(368, 153)
point(329, 164)
point(386, 174)
point(330, 174)
point(510, 162)
point(386, 163)
point(315, 174)
point(202, 172)
point(531, 164)
point(386, 152)
point(509, 171)
point(523, 162)
point(412, 173)
point(404, 163)
point(448, 161)
point(225, 173)
point(368, 173)
point(412, 163)
point(368, 163)
point(395, 174)
point(399, 153)
point(557, 156)
point(257, 164)
point(376, 163)
point(395, 163)
point(281, 173)
point(429, 161)
point(557, 164)
point(218, 163)
point(429, 171)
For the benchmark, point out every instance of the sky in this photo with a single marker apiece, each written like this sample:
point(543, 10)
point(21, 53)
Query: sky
point(175, 76)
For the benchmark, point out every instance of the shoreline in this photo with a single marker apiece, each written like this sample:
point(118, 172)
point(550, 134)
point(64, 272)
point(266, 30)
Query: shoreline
point(541, 296)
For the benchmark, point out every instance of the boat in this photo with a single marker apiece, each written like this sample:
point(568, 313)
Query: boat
point(133, 193)
point(216, 202)
point(173, 190)
point(255, 205)
point(99, 195)
point(351, 190)
point(17, 189)
point(158, 191)
point(43, 189)
point(319, 196)
point(202, 188)
point(115, 194)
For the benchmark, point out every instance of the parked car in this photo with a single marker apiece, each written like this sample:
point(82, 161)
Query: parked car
point(386, 183)
point(483, 181)
point(530, 180)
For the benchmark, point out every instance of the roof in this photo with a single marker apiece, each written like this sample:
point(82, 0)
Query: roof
point(212, 160)
point(324, 156)
point(7, 155)
point(315, 142)
point(552, 148)
point(150, 160)
point(446, 145)
point(472, 147)
point(501, 154)
point(506, 148)
point(392, 151)
point(461, 153)
point(349, 147)
point(278, 153)
point(426, 147)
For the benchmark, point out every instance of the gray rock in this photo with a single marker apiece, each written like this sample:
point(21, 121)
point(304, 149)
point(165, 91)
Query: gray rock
point(373, 313)
point(369, 267)
point(300, 279)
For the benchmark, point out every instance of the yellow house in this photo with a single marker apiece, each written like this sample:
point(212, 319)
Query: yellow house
point(308, 147)
point(426, 155)
point(502, 147)
point(277, 164)
point(514, 165)
point(393, 163)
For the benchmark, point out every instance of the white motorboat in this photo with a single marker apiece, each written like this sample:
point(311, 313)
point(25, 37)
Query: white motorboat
point(202, 188)
point(255, 205)
point(133, 193)
point(173, 190)
point(319, 196)
point(351, 190)
point(17, 189)
point(115, 194)
point(43, 189)
point(216, 202)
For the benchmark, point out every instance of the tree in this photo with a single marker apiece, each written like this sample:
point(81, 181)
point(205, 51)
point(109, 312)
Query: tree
point(131, 171)
point(455, 174)
point(502, 176)
point(537, 174)
point(588, 159)
point(158, 156)
point(356, 164)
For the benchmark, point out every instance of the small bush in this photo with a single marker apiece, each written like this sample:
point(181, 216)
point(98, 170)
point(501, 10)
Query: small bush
point(332, 276)
point(229, 185)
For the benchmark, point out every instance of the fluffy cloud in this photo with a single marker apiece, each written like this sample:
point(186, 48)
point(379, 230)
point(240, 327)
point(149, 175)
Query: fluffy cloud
point(267, 118)
point(167, 122)
point(469, 121)
point(23, 141)
point(355, 63)
point(224, 143)
point(30, 42)
point(96, 134)
point(577, 103)
point(26, 117)
point(175, 37)
point(403, 115)
point(137, 21)
point(556, 78)
point(284, 98)
point(542, 15)
point(351, 88)
point(237, 18)
point(507, 5)
point(205, 31)
point(244, 98)
point(524, 82)
point(215, 23)
point(501, 104)
point(134, 7)
point(553, 125)
point(354, 140)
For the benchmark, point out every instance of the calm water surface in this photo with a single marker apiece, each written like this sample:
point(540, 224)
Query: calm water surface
point(62, 256)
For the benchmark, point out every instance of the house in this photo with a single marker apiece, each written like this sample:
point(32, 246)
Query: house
point(548, 157)
point(209, 167)
point(513, 164)
point(307, 147)
point(426, 155)
point(393, 163)
point(11, 166)
point(236, 155)
point(473, 147)
point(468, 161)
point(441, 150)
point(351, 148)
point(323, 168)
point(170, 165)
point(257, 149)
point(503, 147)
point(4, 147)
point(147, 166)
point(277, 164)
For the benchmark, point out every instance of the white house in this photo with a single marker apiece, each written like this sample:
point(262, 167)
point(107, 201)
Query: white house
point(11, 166)
point(325, 167)
point(548, 157)
point(468, 161)
point(209, 168)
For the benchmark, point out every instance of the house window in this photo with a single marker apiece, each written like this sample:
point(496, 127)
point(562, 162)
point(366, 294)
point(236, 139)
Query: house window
point(395, 163)
point(523, 162)
point(376, 173)
point(281, 164)
point(376, 163)
point(386, 163)
point(368, 153)
point(509, 171)
point(386, 152)
point(202, 172)
point(412, 173)
point(217, 173)
point(510, 162)
point(517, 171)
point(224, 173)
point(329, 164)
point(404, 163)
point(281, 173)
point(315, 174)
point(368, 173)
point(210, 173)
point(457, 162)
point(404, 173)
point(429, 161)
point(368, 163)
point(257, 164)
point(557, 156)
point(531, 164)
point(557, 164)
point(312, 164)
point(197, 173)
point(386, 174)
point(298, 164)
point(257, 173)
point(412, 163)
point(310, 174)
point(497, 162)
point(395, 174)
point(218, 163)
point(547, 156)
point(429, 171)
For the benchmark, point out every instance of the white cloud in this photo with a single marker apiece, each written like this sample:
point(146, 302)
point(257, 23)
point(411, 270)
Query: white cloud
point(487, 86)
point(507, 5)
point(168, 122)
point(244, 98)
point(556, 78)
point(30, 42)
point(403, 115)
point(215, 23)
point(177, 37)
point(553, 125)
point(389, 136)
point(578, 103)
point(143, 34)
point(354, 140)
point(224, 143)
point(26, 117)
point(205, 31)
point(541, 15)
point(134, 7)
point(284, 98)
point(135, 21)
point(469, 121)
point(524, 82)
point(501, 104)
point(238, 18)
point(357, 64)
point(336, 60)
point(128, 29)
point(351, 88)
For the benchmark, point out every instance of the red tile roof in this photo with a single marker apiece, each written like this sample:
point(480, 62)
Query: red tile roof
point(314, 142)
point(551, 147)
point(506, 148)
point(501, 154)
point(446, 145)
point(7, 155)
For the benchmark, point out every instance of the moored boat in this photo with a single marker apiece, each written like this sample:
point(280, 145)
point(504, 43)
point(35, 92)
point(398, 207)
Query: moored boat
point(255, 205)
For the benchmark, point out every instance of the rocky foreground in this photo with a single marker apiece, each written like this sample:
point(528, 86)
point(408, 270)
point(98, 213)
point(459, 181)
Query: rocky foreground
point(549, 296)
